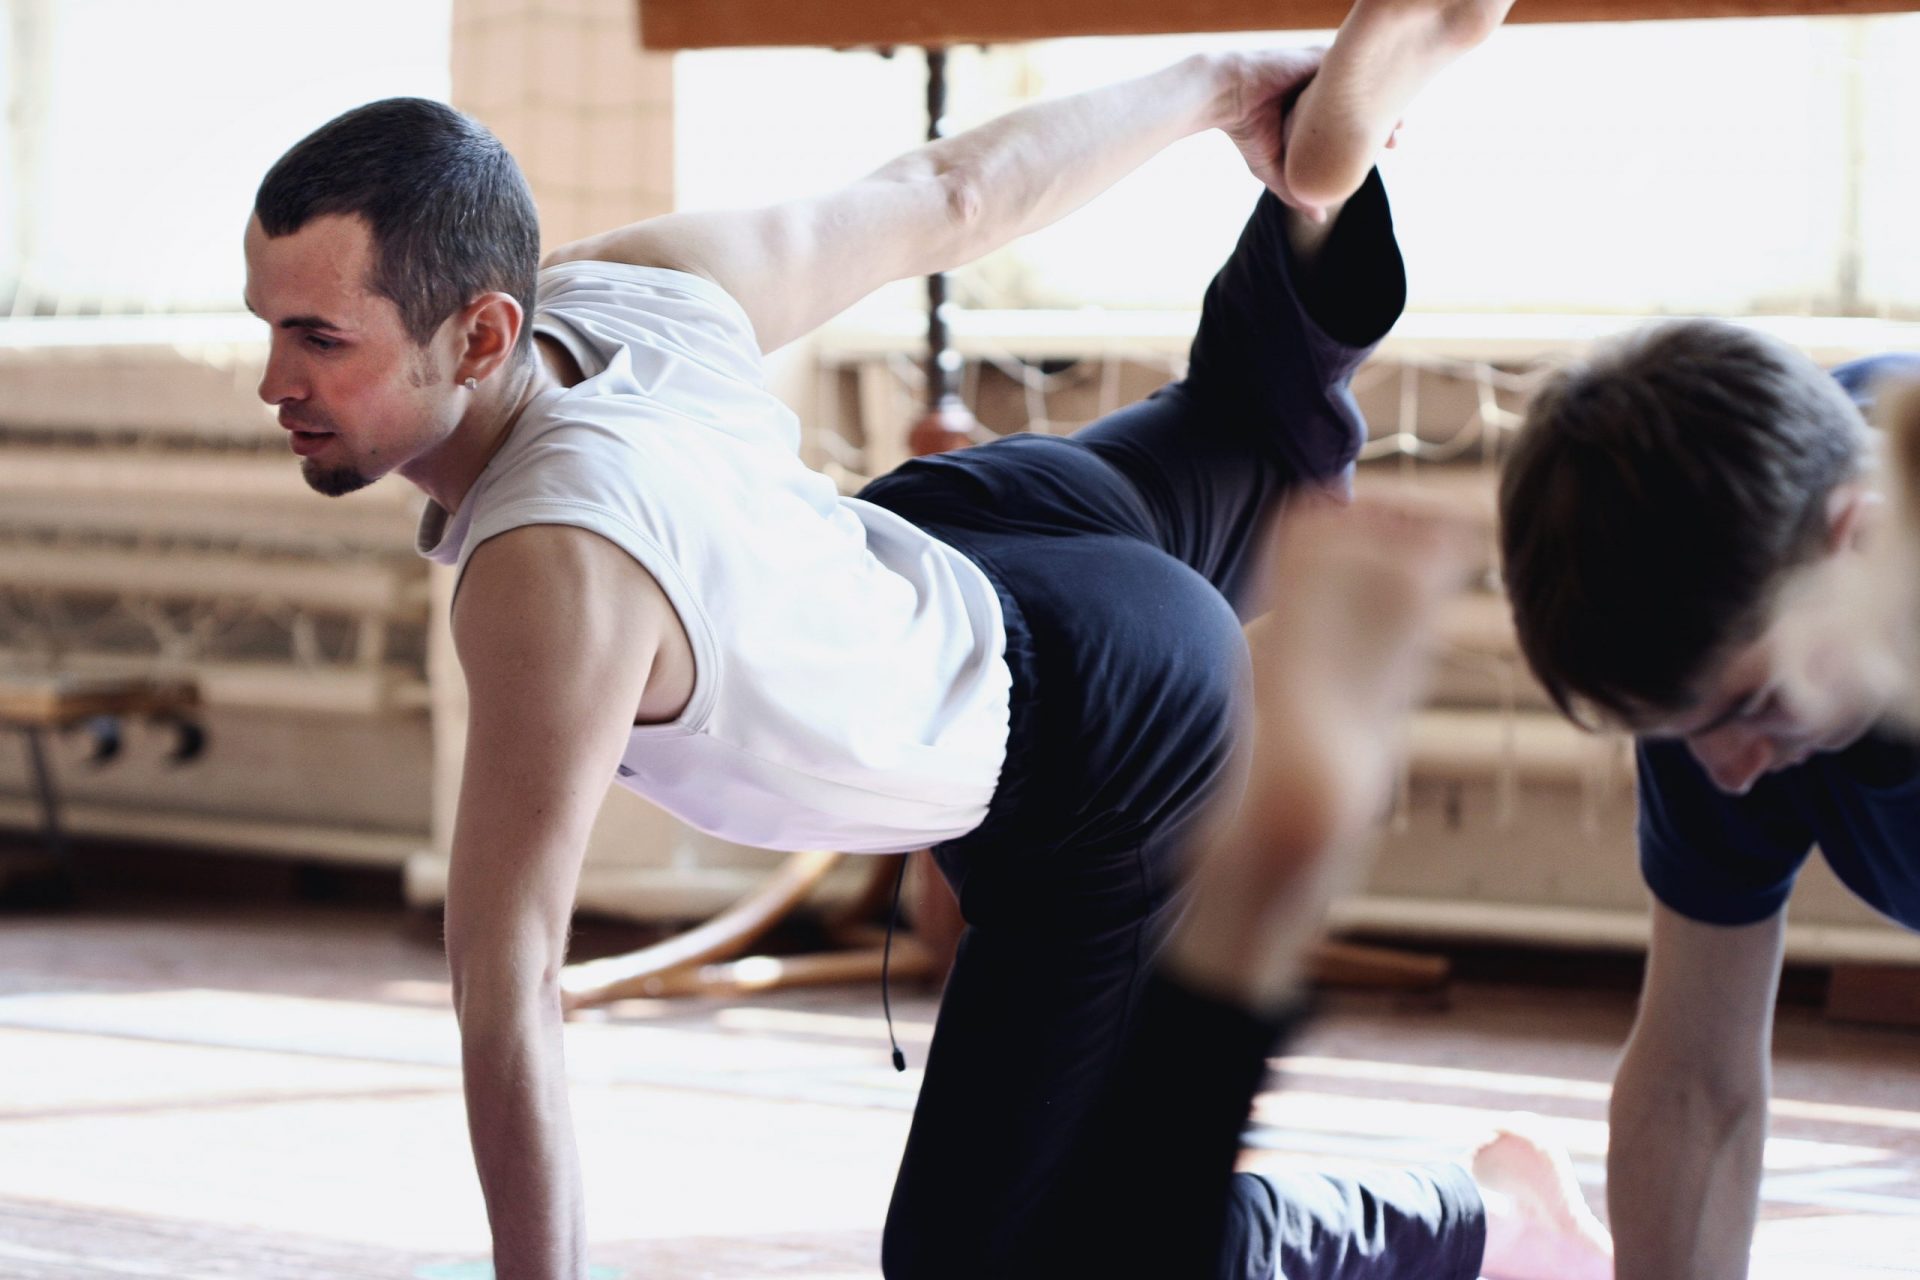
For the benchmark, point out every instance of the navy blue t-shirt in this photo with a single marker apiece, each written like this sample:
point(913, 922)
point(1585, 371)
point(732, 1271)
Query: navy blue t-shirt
point(1732, 860)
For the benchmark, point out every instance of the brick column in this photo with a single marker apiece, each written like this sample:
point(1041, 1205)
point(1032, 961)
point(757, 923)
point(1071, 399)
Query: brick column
point(565, 85)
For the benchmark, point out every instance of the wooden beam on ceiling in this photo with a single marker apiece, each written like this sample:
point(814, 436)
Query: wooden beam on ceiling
point(712, 24)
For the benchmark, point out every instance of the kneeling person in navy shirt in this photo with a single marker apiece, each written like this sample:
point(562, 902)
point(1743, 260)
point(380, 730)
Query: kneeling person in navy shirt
point(1659, 514)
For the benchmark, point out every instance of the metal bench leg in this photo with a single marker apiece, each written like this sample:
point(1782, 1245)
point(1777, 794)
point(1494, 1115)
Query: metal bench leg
point(57, 886)
point(49, 801)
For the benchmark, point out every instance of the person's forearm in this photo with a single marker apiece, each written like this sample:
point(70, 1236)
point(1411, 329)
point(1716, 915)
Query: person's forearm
point(1683, 1172)
point(1030, 167)
point(522, 1133)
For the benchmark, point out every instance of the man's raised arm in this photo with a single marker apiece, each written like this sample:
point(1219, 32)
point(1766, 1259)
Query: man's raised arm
point(555, 629)
point(795, 265)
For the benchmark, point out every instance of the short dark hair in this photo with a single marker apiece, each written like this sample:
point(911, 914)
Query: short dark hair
point(450, 213)
point(1653, 500)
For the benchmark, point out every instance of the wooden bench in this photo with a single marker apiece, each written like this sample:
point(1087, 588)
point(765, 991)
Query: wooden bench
point(36, 704)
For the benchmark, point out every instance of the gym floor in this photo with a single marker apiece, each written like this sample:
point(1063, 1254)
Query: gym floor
point(258, 1083)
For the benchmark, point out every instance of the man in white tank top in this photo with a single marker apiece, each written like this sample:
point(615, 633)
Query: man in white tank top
point(1026, 655)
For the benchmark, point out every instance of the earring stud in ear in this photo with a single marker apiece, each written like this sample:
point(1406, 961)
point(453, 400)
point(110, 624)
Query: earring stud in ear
point(471, 384)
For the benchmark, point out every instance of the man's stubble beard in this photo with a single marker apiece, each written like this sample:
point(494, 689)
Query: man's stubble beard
point(334, 482)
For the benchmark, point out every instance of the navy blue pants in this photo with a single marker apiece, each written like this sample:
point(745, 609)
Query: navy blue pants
point(1080, 1113)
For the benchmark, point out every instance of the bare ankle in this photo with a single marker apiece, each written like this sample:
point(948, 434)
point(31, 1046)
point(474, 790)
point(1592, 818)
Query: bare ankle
point(1385, 53)
point(1459, 24)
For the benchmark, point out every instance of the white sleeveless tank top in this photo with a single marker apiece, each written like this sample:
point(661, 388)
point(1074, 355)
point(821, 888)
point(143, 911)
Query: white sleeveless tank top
point(851, 685)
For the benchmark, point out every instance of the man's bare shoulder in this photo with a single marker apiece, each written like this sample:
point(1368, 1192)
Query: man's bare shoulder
point(540, 602)
point(553, 567)
point(674, 241)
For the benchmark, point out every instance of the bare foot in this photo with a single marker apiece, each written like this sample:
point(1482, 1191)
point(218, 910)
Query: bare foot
point(1538, 1224)
point(1385, 53)
point(1336, 667)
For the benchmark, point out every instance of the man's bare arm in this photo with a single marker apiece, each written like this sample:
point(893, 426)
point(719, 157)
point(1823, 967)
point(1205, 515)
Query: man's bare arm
point(1689, 1112)
point(556, 629)
point(794, 265)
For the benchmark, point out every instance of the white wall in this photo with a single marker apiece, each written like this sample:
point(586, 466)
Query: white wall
point(153, 124)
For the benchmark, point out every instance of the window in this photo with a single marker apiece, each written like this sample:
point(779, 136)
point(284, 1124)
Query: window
point(1733, 166)
point(139, 131)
